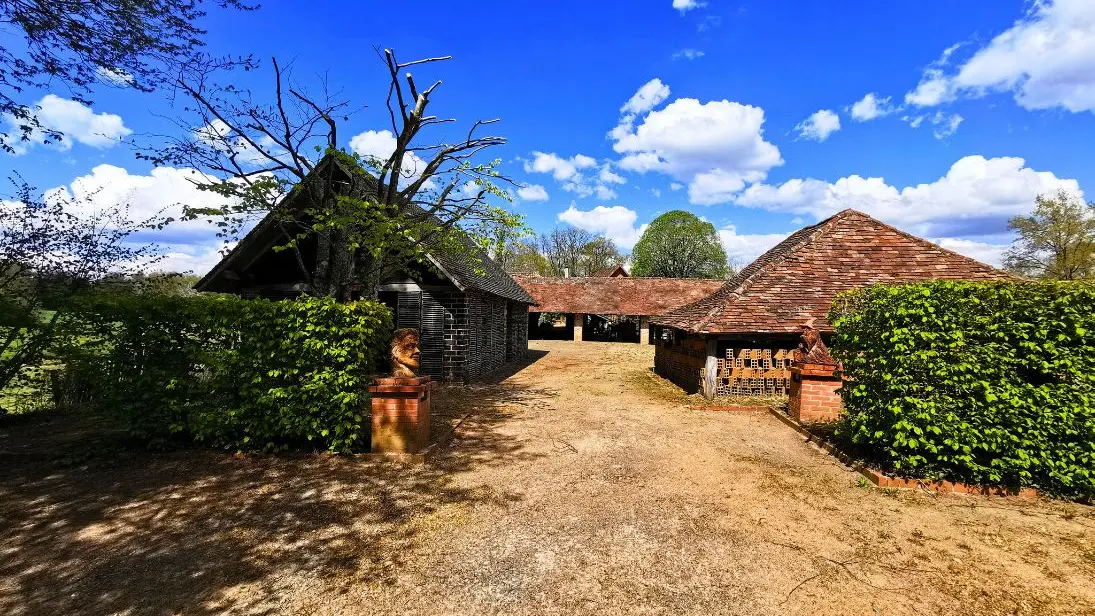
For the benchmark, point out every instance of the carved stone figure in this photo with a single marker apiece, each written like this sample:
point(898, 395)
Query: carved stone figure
point(406, 353)
point(812, 349)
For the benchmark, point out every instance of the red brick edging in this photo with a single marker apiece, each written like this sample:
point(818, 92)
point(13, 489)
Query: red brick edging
point(885, 481)
point(729, 408)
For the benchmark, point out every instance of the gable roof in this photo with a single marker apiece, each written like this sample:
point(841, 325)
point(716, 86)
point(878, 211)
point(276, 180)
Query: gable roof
point(797, 279)
point(615, 271)
point(469, 269)
point(619, 295)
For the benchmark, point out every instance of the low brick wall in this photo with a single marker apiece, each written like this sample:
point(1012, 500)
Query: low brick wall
point(814, 395)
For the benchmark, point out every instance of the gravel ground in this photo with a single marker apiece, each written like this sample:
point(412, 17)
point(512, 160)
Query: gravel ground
point(579, 484)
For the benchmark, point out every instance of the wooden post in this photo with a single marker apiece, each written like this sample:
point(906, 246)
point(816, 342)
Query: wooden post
point(644, 330)
point(711, 369)
point(579, 321)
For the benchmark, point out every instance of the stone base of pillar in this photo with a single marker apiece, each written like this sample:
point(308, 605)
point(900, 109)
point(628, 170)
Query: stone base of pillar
point(400, 414)
point(644, 331)
point(813, 397)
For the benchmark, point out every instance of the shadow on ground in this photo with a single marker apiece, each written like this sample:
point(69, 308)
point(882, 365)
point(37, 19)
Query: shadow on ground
point(202, 532)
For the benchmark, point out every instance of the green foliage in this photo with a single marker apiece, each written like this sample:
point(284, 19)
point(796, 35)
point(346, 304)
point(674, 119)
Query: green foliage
point(679, 245)
point(986, 383)
point(1057, 241)
point(233, 373)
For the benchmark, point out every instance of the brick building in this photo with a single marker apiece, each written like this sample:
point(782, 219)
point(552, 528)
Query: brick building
point(608, 306)
point(473, 318)
point(738, 340)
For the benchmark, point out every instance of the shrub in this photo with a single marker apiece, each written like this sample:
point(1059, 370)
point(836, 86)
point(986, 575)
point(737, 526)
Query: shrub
point(987, 383)
point(233, 373)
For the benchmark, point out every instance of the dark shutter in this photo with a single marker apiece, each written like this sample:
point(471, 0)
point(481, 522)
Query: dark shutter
point(433, 336)
point(409, 313)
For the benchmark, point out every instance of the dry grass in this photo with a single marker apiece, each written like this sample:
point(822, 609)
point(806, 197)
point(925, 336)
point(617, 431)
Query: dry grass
point(580, 484)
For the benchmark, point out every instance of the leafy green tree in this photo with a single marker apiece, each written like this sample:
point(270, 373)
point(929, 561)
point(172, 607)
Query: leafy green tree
point(679, 245)
point(1056, 242)
point(79, 45)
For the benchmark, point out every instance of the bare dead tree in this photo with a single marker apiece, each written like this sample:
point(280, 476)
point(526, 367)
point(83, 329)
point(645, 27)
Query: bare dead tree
point(366, 213)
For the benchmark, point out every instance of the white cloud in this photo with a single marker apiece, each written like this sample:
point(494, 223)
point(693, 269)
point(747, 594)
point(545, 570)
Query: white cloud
point(647, 97)
point(604, 193)
point(183, 258)
point(608, 176)
point(469, 190)
point(164, 190)
point(532, 192)
point(219, 135)
point(676, 186)
point(934, 89)
point(715, 147)
point(114, 78)
point(560, 168)
point(688, 54)
point(945, 124)
point(656, 192)
point(76, 121)
point(1046, 59)
point(379, 145)
point(187, 245)
point(871, 107)
point(819, 125)
point(617, 223)
point(687, 5)
point(570, 172)
point(976, 193)
point(992, 254)
point(742, 249)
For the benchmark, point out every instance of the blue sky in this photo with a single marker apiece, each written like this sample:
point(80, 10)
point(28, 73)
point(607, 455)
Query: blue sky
point(944, 118)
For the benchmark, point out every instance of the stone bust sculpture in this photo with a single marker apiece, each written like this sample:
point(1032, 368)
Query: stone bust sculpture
point(406, 353)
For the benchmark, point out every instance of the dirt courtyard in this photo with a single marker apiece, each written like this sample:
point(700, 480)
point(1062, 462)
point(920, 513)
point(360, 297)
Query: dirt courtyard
point(579, 484)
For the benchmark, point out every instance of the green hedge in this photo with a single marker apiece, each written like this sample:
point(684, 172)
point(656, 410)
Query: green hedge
point(988, 383)
point(233, 373)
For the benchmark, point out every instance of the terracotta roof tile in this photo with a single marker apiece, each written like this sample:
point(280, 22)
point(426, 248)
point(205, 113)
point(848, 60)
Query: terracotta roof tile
point(797, 279)
point(625, 296)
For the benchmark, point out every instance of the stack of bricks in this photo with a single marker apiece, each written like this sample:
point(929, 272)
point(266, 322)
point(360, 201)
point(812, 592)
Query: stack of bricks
point(400, 414)
point(814, 395)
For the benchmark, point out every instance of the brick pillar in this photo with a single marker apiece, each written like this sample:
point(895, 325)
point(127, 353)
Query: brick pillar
point(813, 396)
point(401, 414)
point(644, 330)
point(579, 321)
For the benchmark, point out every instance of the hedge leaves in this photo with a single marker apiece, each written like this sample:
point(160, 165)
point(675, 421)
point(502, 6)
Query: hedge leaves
point(986, 383)
point(233, 373)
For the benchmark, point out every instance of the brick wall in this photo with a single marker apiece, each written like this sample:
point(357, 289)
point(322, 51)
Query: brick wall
point(683, 363)
point(814, 397)
point(518, 332)
point(456, 335)
point(486, 334)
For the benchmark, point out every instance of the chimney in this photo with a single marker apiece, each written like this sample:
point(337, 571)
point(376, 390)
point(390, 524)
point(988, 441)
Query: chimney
point(566, 272)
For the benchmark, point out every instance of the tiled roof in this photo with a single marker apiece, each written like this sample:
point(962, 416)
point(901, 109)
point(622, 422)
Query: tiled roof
point(797, 280)
point(471, 268)
point(612, 272)
point(625, 296)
